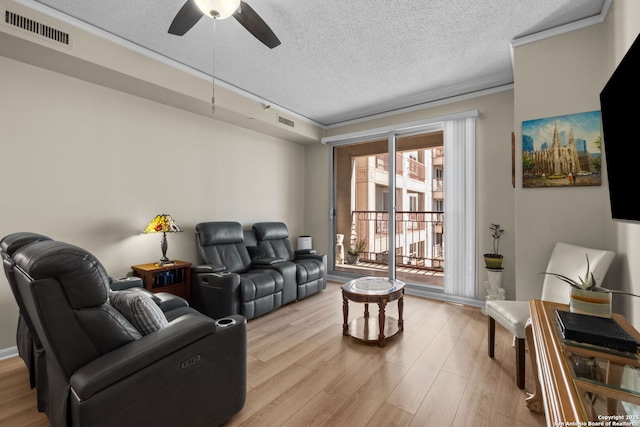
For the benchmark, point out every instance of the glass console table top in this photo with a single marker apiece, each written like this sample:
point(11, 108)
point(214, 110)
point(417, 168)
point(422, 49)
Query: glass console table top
point(373, 285)
point(608, 381)
point(609, 390)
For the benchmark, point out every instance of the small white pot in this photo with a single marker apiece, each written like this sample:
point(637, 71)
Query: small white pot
point(590, 302)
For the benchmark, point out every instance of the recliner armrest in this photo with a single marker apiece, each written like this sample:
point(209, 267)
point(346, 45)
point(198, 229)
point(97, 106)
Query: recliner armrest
point(305, 251)
point(216, 294)
point(267, 261)
point(208, 268)
point(154, 348)
point(125, 283)
point(219, 280)
point(167, 301)
point(318, 256)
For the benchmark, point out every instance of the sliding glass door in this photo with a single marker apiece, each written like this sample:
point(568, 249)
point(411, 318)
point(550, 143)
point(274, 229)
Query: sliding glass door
point(403, 204)
point(419, 215)
point(361, 207)
point(388, 207)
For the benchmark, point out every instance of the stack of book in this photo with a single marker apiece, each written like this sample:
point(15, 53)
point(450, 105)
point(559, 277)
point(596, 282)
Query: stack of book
point(600, 331)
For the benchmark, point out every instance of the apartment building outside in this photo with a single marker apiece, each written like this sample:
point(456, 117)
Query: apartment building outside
point(419, 218)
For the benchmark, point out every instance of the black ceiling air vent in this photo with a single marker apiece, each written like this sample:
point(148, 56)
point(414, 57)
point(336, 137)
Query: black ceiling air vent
point(36, 27)
point(285, 121)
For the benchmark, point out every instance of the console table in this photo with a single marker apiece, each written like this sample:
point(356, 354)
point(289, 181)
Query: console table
point(577, 383)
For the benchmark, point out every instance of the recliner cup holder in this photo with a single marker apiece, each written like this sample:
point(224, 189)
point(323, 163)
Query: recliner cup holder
point(225, 322)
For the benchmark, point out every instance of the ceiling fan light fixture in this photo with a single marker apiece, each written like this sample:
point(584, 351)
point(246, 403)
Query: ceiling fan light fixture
point(218, 9)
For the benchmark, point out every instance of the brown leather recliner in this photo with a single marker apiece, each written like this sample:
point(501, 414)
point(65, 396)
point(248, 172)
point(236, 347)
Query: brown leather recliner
point(103, 371)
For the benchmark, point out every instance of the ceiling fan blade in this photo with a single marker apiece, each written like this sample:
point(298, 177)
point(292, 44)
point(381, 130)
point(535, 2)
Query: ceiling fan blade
point(250, 20)
point(186, 18)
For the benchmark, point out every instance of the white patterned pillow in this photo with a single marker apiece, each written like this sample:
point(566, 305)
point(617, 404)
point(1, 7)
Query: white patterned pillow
point(140, 310)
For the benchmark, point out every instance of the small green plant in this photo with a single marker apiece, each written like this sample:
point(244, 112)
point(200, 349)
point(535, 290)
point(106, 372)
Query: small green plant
point(587, 283)
point(496, 233)
point(357, 247)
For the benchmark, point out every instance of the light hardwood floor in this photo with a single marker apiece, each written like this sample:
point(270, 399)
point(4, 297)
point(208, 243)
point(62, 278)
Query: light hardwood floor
point(303, 372)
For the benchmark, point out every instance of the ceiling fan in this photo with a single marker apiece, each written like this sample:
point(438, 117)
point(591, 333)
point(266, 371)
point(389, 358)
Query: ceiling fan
point(193, 10)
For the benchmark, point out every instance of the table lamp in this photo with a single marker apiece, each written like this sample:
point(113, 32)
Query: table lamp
point(164, 224)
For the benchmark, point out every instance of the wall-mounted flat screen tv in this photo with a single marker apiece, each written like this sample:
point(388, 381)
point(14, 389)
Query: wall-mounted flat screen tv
point(619, 105)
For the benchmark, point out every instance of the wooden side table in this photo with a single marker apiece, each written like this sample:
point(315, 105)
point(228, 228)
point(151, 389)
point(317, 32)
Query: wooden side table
point(174, 278)
point(377, 291)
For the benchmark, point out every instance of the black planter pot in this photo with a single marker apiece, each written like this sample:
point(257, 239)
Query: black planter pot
point(493, 261)
point(352, 259)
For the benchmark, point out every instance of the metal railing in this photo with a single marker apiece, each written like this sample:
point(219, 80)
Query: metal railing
point(414, 169)
point(418, 238)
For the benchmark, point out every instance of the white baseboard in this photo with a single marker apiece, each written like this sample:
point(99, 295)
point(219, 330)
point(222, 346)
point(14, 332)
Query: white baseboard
point(8, 352)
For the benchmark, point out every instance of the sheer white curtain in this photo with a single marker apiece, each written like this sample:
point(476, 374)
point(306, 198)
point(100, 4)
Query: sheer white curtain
point(460, 207)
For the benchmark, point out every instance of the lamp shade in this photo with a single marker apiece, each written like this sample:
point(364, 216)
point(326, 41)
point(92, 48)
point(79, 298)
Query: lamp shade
point(218, 9)
point(162, 223)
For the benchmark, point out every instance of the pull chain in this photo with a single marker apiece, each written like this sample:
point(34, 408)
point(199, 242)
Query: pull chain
point(213, 73)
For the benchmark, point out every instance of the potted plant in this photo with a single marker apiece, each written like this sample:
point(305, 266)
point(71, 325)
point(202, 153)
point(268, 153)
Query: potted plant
point(494, 260)
point(353, 254)
point(586, 297)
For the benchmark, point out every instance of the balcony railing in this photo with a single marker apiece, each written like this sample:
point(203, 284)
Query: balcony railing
point(414, 169)
point(418, 238)
point(438, 184)
point(382, 162)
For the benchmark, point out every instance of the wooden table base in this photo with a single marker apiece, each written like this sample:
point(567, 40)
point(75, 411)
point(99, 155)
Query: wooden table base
point(365, 328)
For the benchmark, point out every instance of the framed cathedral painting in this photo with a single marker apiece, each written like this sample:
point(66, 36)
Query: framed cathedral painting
point(562, 151)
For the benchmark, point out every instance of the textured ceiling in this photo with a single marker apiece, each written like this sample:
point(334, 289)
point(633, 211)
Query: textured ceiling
point(342, 60)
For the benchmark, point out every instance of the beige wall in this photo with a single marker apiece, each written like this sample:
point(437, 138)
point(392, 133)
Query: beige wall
point(92, 166)
point(557, 76)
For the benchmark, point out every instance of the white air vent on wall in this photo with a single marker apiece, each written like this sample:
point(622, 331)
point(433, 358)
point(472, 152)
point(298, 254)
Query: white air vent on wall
point(36, 27)
point(285, 121)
